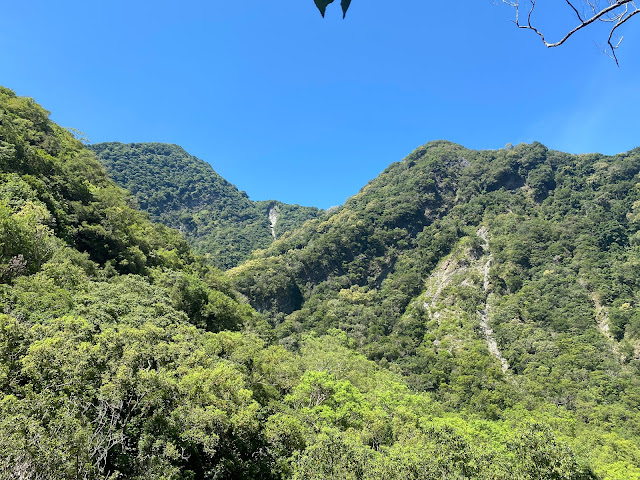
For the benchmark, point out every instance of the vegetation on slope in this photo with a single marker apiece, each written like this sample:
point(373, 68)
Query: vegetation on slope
point(560, 295)
point(184, 192)
point(122, 355)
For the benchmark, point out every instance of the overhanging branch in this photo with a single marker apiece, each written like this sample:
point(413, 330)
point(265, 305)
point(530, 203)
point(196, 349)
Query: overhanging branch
point(617, 12)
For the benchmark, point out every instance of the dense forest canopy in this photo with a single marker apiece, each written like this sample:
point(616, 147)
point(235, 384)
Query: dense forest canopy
point(482, 277)
point(469, 314)
point(184, 192)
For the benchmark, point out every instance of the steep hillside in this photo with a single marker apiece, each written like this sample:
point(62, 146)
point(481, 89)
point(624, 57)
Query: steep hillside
point(490, 278)
point(122, 355)
point(184, 192)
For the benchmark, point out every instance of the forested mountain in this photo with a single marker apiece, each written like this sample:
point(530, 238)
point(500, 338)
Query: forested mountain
point(494, 280)
point(184, 192)
point(466, 315)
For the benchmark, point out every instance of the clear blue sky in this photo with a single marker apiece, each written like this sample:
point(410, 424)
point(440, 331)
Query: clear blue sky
point(287, 105)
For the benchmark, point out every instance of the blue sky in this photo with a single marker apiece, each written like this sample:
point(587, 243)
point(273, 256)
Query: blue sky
point(287, 105)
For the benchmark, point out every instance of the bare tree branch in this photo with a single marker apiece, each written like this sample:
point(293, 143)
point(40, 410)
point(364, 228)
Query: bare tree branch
point(575, 10)
point(618, 24)
point(617, 12)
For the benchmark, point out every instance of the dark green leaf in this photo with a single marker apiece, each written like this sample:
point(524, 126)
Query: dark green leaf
point(322, 5)
point(345, 6)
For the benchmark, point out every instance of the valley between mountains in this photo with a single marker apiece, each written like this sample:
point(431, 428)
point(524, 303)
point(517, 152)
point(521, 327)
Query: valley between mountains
point(468, 314)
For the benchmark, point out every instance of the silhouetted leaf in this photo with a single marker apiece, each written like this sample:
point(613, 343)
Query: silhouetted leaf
point(345, 6)
point(322, 5)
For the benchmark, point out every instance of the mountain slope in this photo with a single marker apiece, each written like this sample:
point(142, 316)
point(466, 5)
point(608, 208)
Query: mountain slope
point(184, 192)
point(118, 359)
point(490, 278)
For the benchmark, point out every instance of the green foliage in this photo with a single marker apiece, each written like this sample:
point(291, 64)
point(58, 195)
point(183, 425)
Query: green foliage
point(103, 373)
point(399, 269)
point(51, 185)
point(122, 355)
point(183, 192)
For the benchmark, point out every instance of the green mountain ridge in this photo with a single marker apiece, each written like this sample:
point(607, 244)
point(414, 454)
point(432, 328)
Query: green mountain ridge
point(487, 278)
point(184, 192)
point(377, 349)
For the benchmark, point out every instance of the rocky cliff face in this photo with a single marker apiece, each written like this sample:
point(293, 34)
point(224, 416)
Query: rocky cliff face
point(273, 215)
